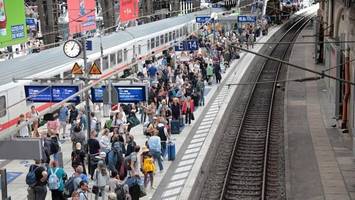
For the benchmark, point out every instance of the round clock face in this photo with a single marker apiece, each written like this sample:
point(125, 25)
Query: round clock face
point(72, 48)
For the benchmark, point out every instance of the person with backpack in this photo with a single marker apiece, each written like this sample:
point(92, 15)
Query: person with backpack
point(78, 157)
point(114, 157)
point(73, 183)
point(164, 135)
point(56, 177)
point(36, 179)
point(148, 167)
point(101, 177)
point(84, 190)
point(130, 145)
point(77, 135)
point(154, 145)
point(132, 162)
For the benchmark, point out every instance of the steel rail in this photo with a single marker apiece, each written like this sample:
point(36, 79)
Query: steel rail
point(224, 188)
point(268, 131)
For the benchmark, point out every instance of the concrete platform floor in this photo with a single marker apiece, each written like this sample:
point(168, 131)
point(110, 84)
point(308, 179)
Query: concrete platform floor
point(319, 162)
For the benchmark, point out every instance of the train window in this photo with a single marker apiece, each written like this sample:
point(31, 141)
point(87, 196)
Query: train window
point(166, 38)
point(152, 43)
point(67, 74)
point(125, 54)
point(162, 39)
point(174, 35)
point(2, 106)
point(139, 49)
point(119, 56)
point(134, 51)
point(181, 32)
point(112, 59)
point(104, 63)
point(170, 36)
point(157, 41)
point(148, 45)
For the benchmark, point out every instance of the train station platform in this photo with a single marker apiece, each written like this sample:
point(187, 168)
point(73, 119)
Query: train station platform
point(192, 144)
point(319, 161)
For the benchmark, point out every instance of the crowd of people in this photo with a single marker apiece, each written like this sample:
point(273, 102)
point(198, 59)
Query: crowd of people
point(109, 159)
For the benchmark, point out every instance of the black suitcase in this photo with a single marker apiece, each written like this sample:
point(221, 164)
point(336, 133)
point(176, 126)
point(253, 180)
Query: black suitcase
point(175, 126)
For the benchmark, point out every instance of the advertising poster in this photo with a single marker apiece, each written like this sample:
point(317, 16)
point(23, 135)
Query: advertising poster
point(128, 10)
point(12, 22)
point(81, 15)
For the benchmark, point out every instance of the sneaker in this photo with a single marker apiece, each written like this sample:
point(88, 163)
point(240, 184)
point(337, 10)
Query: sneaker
point(154, 187)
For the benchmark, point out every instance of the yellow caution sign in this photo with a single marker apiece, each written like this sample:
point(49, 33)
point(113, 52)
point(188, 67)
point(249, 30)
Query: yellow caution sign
point(76, 70)
point(95, 70)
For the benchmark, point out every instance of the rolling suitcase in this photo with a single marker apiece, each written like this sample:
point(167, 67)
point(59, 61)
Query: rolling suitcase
point(171, 151)
point(175, 126)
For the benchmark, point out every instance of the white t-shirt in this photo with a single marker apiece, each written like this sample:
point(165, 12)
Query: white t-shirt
point(24, 132)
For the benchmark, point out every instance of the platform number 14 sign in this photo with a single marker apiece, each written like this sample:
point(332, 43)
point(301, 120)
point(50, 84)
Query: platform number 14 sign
point(190, 45)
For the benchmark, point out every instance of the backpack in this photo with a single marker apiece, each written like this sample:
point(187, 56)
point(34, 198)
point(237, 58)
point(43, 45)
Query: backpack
point(69, 187)
point(53, 180)
point(112, 159)
point(31, 176)
point(76, 160)
point(148, 165)
point(120, 193)
point(54, 146)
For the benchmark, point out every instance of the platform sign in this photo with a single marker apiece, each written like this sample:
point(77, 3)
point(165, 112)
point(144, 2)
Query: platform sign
point(88, 45)
point(189, 45)
point(59, 93)
point(97, 94)
point(76, 70)
point(202, 19)
point(38, 93)
point(247, 19)
point(46, 93)
point(132, 93)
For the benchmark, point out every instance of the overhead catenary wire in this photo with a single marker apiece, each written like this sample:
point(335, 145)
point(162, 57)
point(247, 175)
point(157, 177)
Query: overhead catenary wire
point(294, 65)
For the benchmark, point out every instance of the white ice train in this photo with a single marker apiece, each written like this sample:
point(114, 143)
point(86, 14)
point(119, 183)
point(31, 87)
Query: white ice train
point(119, 49)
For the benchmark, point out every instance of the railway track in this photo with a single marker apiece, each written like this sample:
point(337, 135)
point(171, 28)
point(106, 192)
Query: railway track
point(248, 165)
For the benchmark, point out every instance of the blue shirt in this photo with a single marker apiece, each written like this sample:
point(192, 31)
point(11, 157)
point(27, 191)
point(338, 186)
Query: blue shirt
point(154, 143)
point(152, 71)
point(63, 114)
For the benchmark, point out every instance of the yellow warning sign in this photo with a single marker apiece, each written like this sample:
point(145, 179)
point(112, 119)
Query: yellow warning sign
point(95, 70)
point(76, 70)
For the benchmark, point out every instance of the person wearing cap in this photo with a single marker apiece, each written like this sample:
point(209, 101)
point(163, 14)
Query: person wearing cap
point(148, 173)
point(78, 157)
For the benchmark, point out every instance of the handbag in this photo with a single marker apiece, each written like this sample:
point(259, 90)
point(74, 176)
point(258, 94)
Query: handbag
point(133, 121)
point(95, 188)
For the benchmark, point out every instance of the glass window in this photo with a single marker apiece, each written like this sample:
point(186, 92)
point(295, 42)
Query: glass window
point(112, 59)
point(2, 106)
point(104, 63)
point(181, 32)
point(139, 49)
point(170, 36)
point(166, 38)
point(148, 45)
point(157, 41)
point(174, 35)
point(162, 39)
point(125, 54)
point(119, 56)
point(152, 43)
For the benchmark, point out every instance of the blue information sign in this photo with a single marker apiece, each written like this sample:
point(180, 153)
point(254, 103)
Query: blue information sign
point(190, 45)
point(59, 93)
point(38, 93)
point(45, 93)
point(202, 19)
point(246, 18)
point(131, 94)
point(97, 94)
point(89, 45)
point(126, 93)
